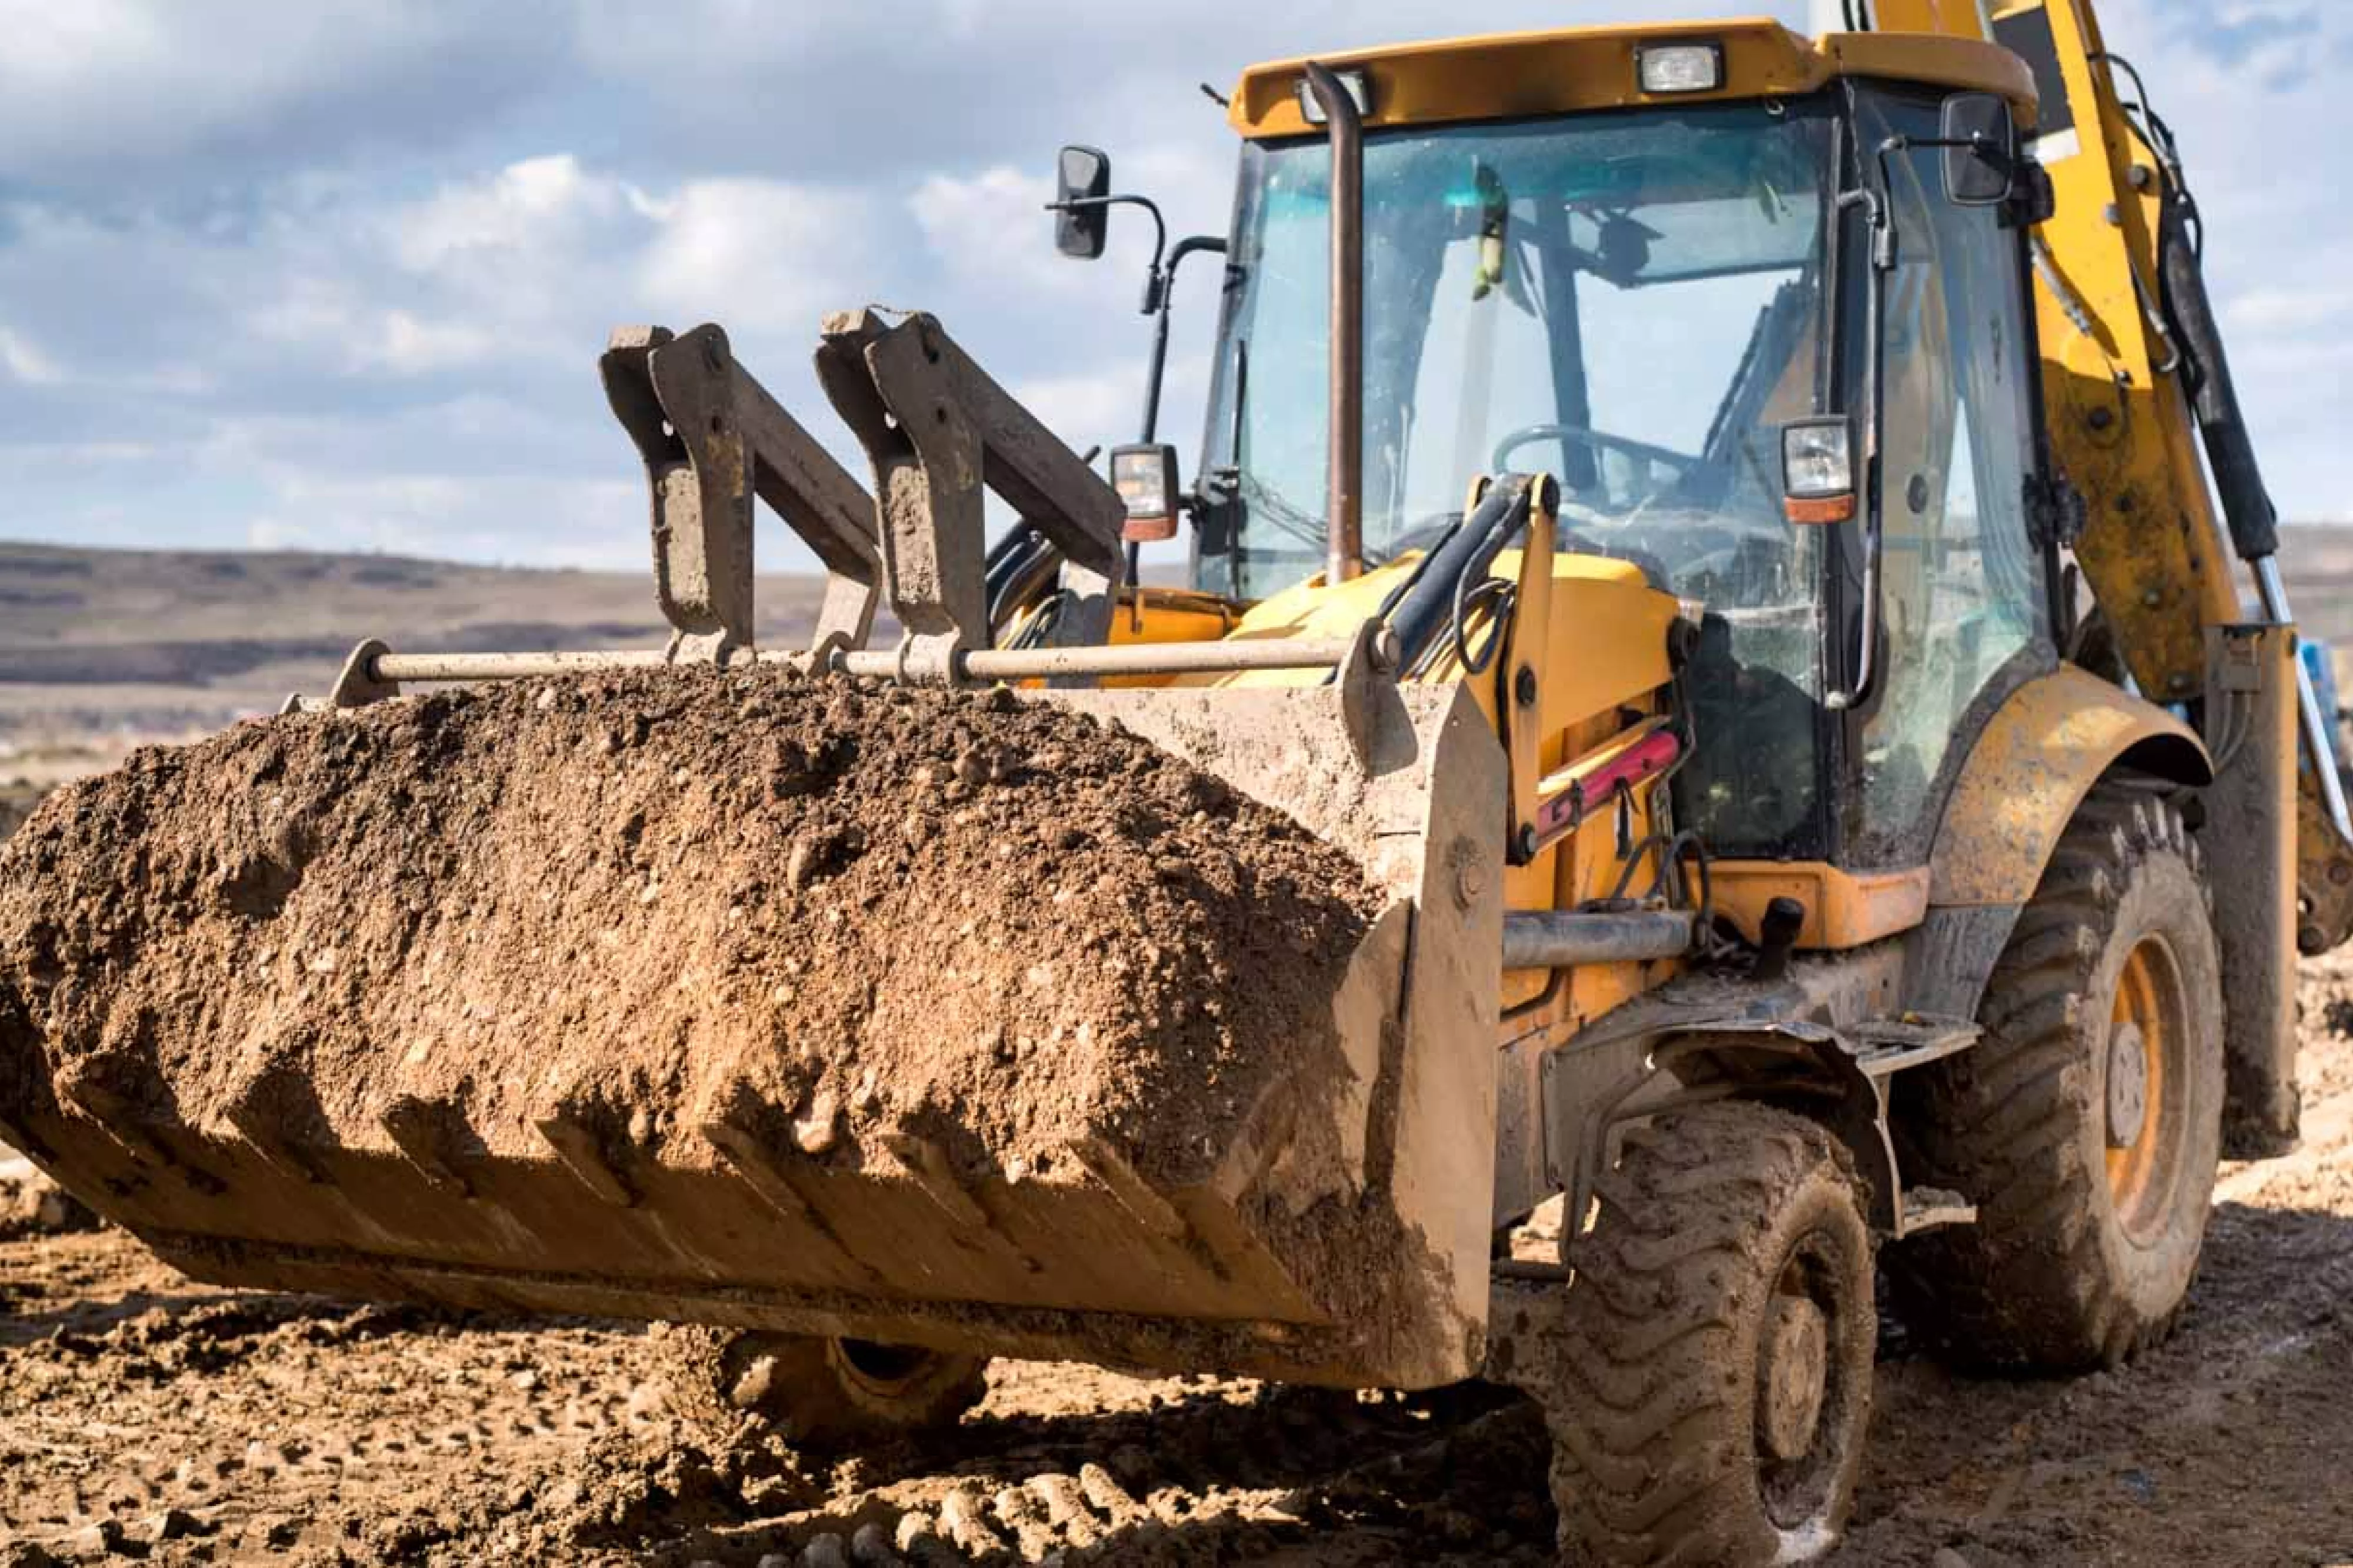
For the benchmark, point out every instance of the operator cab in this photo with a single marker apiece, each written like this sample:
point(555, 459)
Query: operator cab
point(1648, 294)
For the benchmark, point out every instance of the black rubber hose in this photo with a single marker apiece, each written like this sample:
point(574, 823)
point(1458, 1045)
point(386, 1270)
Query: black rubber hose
point(2214, 397)
point(1426, 613)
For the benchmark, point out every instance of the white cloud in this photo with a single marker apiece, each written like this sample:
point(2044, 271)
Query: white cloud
point(527, 207)
point(339, 273)
point(2269, 311)
point(761, 255)
point(155, 85)
point(27, 363)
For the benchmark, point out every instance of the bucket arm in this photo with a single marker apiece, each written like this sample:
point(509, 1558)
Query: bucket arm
point(2136, 382)
point(2139, 410)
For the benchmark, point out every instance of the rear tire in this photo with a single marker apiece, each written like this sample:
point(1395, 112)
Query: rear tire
point(1710, 1398)
point(2087, 1123)
point(820, 1394)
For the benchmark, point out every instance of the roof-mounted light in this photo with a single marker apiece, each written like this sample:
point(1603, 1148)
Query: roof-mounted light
point(1668, 69)
point(1358, 86)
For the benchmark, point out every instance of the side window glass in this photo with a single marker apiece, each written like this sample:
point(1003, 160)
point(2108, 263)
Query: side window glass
point(1962, 582)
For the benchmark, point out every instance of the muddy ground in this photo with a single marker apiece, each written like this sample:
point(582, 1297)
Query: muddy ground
point(140, 1415)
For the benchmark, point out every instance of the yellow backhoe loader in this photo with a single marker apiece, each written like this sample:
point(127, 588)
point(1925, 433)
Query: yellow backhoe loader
point(1715, 524)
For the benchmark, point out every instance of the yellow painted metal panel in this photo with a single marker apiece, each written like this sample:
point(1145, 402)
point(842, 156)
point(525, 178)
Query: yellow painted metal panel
point(1572, 70)
point(2038, 758)
point(2153, 549)
point(1844, 910)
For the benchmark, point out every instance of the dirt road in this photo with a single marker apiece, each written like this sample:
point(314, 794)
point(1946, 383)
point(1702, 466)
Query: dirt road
point(144, 1416)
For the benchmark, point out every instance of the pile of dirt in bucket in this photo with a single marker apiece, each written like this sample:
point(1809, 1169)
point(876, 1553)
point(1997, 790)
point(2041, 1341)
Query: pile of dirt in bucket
point(992, 923)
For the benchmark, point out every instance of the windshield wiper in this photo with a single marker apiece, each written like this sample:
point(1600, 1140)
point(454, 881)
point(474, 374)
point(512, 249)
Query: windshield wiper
point(1261, 500)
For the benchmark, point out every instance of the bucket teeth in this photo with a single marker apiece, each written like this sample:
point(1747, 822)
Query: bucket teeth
point(741, 1127)
point(928, 1164)
point(746, 1131)
point(586, 1152)
point(106, 1089)
point(275, 1111)
point(434, 1137)
point(114, 1089)
point(1133, 1194)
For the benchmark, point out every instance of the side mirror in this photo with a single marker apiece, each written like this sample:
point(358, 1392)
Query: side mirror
point(1081, 217)
point(1980, 150)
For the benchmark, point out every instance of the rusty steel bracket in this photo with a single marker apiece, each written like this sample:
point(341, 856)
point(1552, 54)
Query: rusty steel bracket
point(939, 431)
point(713, 438)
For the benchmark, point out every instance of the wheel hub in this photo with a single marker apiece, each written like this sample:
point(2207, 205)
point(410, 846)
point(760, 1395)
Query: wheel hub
point(2127, 1085)
point(1792, 1376)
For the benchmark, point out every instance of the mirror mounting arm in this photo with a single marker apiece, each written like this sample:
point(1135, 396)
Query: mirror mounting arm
point(1098, 204)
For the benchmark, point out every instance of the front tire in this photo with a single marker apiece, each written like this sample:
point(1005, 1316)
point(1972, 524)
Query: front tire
point(2087, 1123)
point(1711, 1397)
point(821, 1394)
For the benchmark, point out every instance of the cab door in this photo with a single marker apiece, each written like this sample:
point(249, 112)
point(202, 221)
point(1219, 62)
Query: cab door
point(1965, 612)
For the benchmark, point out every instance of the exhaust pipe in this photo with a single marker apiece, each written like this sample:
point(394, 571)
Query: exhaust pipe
point(1344, 498)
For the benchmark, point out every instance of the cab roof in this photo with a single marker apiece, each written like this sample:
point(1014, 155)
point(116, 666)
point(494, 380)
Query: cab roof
point(1517, 76)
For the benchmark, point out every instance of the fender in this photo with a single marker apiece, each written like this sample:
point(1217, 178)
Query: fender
point(2038, 757)
point(2036, 760)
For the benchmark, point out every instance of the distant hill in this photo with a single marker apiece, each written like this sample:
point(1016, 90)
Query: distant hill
point(103, 647)
point(2317, 561)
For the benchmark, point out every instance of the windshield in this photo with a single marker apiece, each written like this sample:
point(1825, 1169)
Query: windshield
point(1631, 302)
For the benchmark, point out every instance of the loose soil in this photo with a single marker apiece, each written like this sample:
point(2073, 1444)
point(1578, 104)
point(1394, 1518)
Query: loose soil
point(624, 900)
point(136, 1408)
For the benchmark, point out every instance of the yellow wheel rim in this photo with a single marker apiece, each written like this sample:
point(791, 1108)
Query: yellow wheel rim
point(2141, 1084)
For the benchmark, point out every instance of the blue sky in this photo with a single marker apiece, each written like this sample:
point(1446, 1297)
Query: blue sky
point(335, 275)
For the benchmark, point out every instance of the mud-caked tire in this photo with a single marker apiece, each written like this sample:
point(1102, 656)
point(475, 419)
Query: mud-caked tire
point(824, 1395)
point(1709, 1391)
point(2086, 1123)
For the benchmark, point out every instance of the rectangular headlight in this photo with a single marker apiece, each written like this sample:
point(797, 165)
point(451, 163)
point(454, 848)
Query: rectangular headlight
point(1146, 478)
point(1680, 67)
point(1818, 471)
point(1360, 90)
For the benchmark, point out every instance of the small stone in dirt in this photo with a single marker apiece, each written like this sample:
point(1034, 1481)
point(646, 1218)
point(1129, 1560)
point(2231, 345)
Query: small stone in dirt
point(32, 1204)
point(818, 1130)
point(1947, 1558)
point(913, 1529)
point(871, 1546)
point(99, 1540)
point(825, 1551)
point(172, 1524)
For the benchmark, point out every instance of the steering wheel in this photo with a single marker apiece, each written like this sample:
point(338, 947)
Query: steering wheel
point(1640, 451)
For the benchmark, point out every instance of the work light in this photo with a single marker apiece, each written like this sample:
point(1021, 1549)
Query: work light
point(1146, 478)
point(1818, 471)
point(1355, 83)
point(1680, 67)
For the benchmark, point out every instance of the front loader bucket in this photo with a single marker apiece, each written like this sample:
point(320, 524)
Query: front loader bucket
point(325, 1090)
